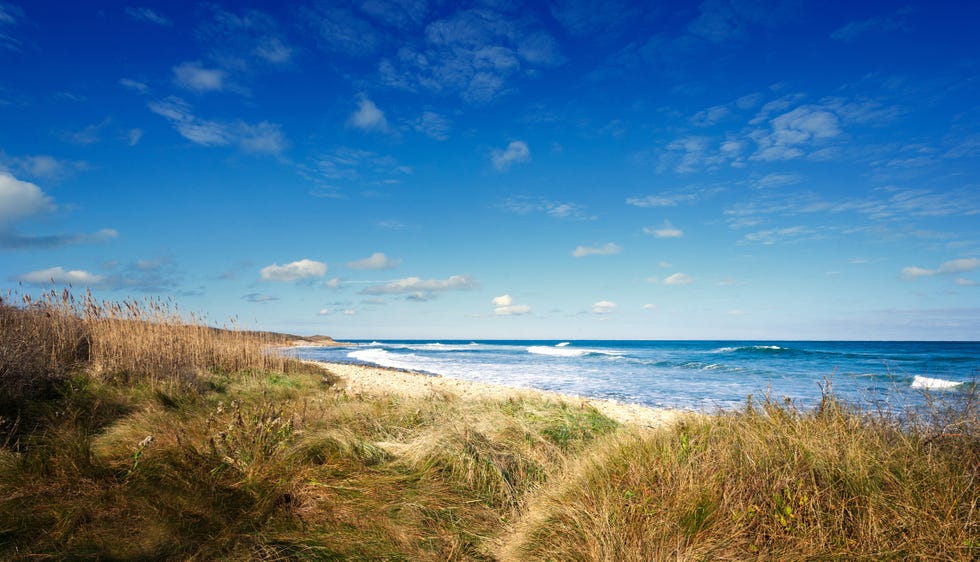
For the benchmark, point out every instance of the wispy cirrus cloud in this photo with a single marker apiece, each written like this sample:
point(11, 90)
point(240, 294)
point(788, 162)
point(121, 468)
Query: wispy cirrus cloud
point(952, 267)
point(853, 30)
point(433, 125)
point(472, 53)
point(418, 289)
point(148, 15)
point(10, 17)
point(259, 298)
point(134, 85)
point(673, 198)
point(258, 138)
point(603, 250)
point(524, 205)
point(42, 166)
point(195, 77)
point(12, 240)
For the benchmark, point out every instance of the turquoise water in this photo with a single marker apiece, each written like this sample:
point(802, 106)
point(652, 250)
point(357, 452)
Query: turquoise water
point(699, 375)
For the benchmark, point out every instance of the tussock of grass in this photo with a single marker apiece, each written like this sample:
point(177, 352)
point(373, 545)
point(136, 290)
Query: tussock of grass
point(130, 432)
point(769, 482)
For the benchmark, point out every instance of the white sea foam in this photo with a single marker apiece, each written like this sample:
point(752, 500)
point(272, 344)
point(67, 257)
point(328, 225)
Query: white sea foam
point(933, 384)
point(750, 348)
point(563, 344)
point(387, 359)
point(556, 351)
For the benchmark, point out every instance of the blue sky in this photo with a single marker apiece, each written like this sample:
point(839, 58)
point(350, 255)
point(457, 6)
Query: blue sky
point(408, 169)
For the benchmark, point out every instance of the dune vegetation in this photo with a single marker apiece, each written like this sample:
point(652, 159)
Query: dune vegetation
point(133, 431)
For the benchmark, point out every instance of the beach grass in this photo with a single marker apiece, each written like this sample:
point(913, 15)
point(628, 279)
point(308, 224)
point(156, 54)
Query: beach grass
point(134, 431)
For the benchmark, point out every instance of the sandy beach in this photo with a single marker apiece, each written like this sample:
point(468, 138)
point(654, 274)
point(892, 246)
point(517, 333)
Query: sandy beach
point(376, 381)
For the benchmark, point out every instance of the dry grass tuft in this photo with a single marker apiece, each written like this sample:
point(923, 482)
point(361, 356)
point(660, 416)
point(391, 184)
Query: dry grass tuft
point(128, 431)
point(770, 482)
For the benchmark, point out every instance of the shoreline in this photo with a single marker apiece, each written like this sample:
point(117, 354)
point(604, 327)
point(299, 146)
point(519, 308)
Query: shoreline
point(384, 381)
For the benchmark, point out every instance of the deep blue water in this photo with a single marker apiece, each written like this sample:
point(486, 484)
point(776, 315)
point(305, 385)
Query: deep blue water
point(701, 375)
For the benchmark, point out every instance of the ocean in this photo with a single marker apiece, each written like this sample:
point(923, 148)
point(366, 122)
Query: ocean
point(692, 375)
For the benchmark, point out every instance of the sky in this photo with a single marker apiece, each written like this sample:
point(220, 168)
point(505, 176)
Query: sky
point(729, 169)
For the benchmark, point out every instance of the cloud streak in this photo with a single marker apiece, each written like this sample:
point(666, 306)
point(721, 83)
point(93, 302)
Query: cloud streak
point(295, 271)
point(418, 289)
point(376, 260)
point(604, 250)
point(952, 267)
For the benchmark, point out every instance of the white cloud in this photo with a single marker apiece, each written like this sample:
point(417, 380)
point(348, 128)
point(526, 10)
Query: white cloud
point(334, 283)
point(736, 312)
point(667, 231)
point(60, 276)
point(41, 166)
point(960, 266)
point(261, 138)
point(952, 267)
point(134, 85)
point(661, 200)
point(772, 236)
point(420, 288)
point(710, 116)
point(472, 53)
point(792, 134)
point(368, 117)
point(649, 307)
point(295, 271)
point(504, 306)
point(259, 298)
point(323, 312)
point(912, 272)
point(192, 76)
point(516, 152)
point(556, 209)
point(965, 282)
point(350, 312)
point(90, 134)
point(21, 199)
point(147, 15)
point(433, 125)
point(851, 31)
point(604, 307)
point(134, 136)
point(273, 50)
point(605, 250)
point(678, 279)
point(691, 194)
point(11, 240)
point(376, 260)
point(777, 180)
